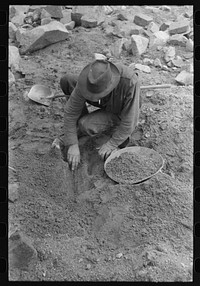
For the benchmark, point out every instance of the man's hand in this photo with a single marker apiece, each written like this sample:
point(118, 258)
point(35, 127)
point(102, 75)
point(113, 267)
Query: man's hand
point(106, 150)
point(73, 156)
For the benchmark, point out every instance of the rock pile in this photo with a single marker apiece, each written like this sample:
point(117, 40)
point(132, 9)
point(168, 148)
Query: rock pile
point(35, 27)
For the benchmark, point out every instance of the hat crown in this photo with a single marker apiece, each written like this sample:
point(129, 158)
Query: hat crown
point(99, 76)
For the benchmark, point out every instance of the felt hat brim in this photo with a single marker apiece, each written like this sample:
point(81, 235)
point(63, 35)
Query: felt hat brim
point(82, 83)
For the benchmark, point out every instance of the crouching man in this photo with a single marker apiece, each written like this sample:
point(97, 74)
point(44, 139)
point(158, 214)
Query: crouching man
point(115, 90)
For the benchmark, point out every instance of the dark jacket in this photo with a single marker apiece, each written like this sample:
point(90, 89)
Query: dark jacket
point(122, 101)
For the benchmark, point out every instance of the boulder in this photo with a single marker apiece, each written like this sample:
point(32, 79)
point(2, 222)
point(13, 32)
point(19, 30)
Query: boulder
point(12, 12)
point(18, 20)
point(34, 7)
point(177, 62)
point(165, 68)
point(165, 8)
point(179, 27)
point(157, 63)
point(170, 54)
point(189, 45)
point(54, 11)
point(178, 40)
point(147, 61)
point(45, 21)
point(66, 17)
point(45, 14)
point(12, 188)
point(108, 10)
point(21, 252)
point(135, 30)
point(159, 38)
point(42, 36)
point(88, 22)
point(185, 78)
point(70, 26)
point(139, 44)
point(143, 68)
point(152, 27)
point(165, 25)
point(11, 79)
point(122, 17)
point(142, 20)
point(78, 12)
point(12, 31)
point(20, 9)
point(14, 58)
point(188, 14)
point(116, 48)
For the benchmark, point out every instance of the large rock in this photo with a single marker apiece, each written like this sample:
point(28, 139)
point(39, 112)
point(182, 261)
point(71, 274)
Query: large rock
point(46, 21)
point(12, 188)
point(143, 68)
point(142, 20)
point(41, 37)
point(66, 17)
point(12, 31)
point(14, 58)
point(116, 48)
point(157, 63)
point(88, 22)
point(189, 45)
point(165, 8)
point(54, 11)
point(139, 44)
point(152, 27)
point(45, 14)
point(122, 17)
point(185, 78)
point(135, 30)
point(18, 20)
point(178, 40)
point(78, 12)
point(18, 9)
point(165, 25)
point(11, 79)
point(159, 38)
point(179, 27)
point(21, 252)
point(170, 54)
point(177, 62)
point(70, 26)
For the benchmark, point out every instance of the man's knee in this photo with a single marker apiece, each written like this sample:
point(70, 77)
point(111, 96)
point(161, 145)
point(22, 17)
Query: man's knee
point(68, 83)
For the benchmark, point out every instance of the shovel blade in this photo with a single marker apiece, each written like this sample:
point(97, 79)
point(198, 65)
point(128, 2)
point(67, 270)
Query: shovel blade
point(39, 94)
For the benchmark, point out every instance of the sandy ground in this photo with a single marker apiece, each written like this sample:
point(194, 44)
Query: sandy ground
point(87, 227)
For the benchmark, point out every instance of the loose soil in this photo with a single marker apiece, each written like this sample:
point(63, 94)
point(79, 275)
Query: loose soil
point(134, 167)
point(84, 226)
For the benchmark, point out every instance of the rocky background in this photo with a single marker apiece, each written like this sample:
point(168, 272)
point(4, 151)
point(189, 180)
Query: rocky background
point(87, 227)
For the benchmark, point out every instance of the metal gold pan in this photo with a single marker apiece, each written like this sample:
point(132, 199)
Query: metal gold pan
point(132, 150)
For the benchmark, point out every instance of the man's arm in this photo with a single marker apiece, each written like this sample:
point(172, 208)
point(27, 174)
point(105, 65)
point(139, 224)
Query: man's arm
point(73, 109)
point(129, 115)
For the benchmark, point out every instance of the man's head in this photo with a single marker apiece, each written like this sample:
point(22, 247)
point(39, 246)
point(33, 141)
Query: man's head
point(98, 79)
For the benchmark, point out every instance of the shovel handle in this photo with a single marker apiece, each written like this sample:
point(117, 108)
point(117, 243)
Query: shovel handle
point(156, 86)
point(142, 87)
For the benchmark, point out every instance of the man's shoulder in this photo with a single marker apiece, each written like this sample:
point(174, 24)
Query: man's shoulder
point(125, 72)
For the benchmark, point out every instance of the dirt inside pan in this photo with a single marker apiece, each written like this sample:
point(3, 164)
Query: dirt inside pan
point(133, 165)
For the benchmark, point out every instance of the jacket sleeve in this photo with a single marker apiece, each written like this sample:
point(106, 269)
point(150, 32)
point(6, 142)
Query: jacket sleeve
point(129, 115)
point(73, 109)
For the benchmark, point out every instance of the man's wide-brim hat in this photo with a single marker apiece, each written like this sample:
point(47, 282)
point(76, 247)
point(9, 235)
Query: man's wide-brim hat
point(98, 79)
